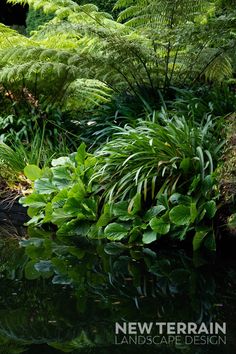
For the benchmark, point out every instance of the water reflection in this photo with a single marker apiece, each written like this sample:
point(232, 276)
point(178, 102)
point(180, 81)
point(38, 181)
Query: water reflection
point(80, 292)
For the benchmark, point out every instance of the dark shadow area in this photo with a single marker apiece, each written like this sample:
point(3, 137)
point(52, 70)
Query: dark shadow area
point(12, 14)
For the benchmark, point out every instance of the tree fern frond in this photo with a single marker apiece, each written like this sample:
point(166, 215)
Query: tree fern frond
point(219, 69)
point(90, 92)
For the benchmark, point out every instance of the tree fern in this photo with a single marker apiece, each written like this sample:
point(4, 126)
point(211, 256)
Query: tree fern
point(156, 44)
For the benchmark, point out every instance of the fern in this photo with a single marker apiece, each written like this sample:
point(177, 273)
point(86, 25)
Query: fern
point(155, 44)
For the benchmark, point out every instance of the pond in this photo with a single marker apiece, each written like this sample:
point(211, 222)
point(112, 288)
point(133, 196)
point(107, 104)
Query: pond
point(110, 284)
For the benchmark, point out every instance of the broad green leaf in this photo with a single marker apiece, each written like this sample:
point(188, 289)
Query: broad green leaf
point(154, 211)
point(61, 172)
point(180, 215)
point(178, 198)
point(78, 190)
point(30, 272)
point(59, 216)
point(32, 172)
point(120, 209)
point(159, 225)
point(44, 266)
point(210, 208)
point(36, 219)
point(45, 186)
point(115, 232)
point(61, 161)
point(61, 177)
point(34, 200)
point(73, 227)
point(149, 237)
point(185, 164)
point(61, 279)
point(114, 248)
point(72, 206)
point(60, 198)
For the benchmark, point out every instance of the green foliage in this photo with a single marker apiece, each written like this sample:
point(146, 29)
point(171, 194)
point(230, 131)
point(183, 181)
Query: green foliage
point(35, 19)
point(86, 53)
point(70, 193)
point(62, 195)
point(91, 280)
point(157, 156)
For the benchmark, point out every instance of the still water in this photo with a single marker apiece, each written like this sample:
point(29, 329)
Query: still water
point(112, 283)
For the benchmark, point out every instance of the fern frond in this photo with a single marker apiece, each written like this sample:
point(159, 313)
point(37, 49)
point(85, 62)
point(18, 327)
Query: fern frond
point(90, 92)
point(219, 69)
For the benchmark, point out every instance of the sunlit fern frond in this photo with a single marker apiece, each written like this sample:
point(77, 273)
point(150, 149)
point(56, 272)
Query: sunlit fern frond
point(219, 69)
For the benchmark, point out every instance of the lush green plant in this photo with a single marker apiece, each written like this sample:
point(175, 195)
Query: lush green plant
point(35, 19)
point(62, 195)
point(70, 195)
point(85, 52)
point(158, 155)
point(199, 101)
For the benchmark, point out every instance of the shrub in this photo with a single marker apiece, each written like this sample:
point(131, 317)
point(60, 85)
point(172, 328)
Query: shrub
point(156, 180)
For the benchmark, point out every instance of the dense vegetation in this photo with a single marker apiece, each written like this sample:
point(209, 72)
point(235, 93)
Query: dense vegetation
point(118, 125)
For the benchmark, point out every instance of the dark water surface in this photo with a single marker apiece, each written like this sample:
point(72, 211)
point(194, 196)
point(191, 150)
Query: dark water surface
point(113, 284)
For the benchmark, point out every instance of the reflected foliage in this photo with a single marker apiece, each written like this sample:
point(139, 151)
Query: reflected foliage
point(87, 289)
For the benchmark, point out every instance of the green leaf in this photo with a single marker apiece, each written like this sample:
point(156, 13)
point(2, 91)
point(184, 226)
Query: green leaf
point(61, 279)
point(193, 212)
point(45, 186)
point(48, 213)
point(198, 239)
point(32, 172)
point(59, 200)
point(30, 272)
point(78, 190)
point(120, 209)
point(154, 211)
point(114, 248)
point(135, 204)
point(180, 215)
point(178, 198)
point(78, 253)
point(44, 266)
point(105, 217)
point(210, 242)
point(149, 237)
point(159, 225)
point(72, 206)
point(81, 154)
point(59, 216)
point(115, 232)
point(210, 208)
point(34, 200)
point(61, 161)
point(185, 164)
point(61, 177)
